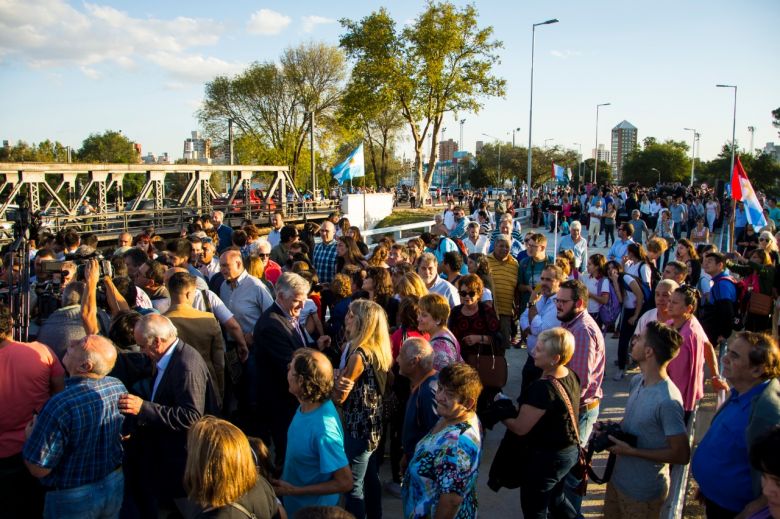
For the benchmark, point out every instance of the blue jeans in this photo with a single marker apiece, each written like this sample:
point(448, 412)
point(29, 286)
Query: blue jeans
point(571, 482)
point(366, 488)
point(99, 500)
point(542, 488)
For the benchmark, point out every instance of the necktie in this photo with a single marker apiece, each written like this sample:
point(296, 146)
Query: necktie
point(297, 326)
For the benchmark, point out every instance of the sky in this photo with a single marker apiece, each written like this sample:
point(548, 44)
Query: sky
point(71, 68)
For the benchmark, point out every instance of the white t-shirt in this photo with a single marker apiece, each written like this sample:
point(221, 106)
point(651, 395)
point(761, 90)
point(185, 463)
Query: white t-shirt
point(595, 287)
point(640, 270)
point(595, 211)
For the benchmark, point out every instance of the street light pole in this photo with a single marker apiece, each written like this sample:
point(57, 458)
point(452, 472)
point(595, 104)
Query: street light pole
point(462, 146)
point(531, 108)
point(596, 161)
point(752, 131)
point(659, 174)
point(513, 135)
point(730, 245)
point(693, 151)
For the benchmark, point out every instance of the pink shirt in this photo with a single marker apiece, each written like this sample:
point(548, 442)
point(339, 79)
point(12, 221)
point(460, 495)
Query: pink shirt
point(26, 370)
point(446, 350)
point(687, 369)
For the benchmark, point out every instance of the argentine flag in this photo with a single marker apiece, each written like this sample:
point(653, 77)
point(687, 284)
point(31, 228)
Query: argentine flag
point(742, 190)
point(353, 167)
point(559, 173)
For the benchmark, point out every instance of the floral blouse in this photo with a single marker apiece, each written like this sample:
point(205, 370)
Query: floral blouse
point(445, 462)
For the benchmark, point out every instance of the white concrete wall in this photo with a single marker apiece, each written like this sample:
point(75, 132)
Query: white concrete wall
point(365, 211)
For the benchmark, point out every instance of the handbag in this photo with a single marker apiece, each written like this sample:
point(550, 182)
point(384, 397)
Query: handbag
point(760, 304)
point(492, 369)
point(512, 454)
point(580, 468)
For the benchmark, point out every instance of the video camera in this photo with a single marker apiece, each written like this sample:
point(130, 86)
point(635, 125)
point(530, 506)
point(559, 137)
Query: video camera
point(601, 442)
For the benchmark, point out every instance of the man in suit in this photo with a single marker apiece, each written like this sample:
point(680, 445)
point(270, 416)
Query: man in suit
point(277, 335)
point(181, 392)
point(196, 328)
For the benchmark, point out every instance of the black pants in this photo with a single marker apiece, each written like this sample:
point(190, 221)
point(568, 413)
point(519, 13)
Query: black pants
point(21, 494)
point(626, 332)
point(609, 233)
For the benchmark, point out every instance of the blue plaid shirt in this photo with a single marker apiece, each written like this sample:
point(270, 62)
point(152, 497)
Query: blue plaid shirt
point(325, 260)
point(78, 433)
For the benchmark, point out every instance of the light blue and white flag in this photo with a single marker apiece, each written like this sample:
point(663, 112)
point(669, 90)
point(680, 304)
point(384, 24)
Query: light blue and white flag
point(353, 167)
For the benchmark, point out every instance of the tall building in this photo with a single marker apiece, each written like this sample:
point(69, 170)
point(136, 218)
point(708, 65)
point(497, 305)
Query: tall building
point(624, 137)
point(478, 147)
point(603, 153)
point(772, 150)
point(197, 149)
point(447, 149)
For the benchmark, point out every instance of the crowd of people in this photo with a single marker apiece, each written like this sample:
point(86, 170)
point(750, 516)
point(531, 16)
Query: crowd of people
point(232, 373)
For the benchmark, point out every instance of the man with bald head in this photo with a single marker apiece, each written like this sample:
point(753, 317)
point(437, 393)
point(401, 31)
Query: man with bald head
point(180, 394)
point(324, 256)
point(74, 444)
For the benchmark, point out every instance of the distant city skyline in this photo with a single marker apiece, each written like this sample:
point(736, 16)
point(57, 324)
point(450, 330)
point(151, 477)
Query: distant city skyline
point(68, 69)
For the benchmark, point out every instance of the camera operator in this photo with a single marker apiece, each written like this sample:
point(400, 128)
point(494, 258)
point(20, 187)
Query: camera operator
point(654, 415)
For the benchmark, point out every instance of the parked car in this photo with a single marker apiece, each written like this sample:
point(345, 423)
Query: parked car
point(256, 198)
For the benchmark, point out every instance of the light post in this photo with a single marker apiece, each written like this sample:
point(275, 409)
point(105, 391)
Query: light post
point(659, 174)
point(693, 151)
point(513, 135)
point(531, 108)
point(441, 162)
point(579, 160)
point(752, 131)
point(461, 145)
point(499, 156)
point(733, 126)
point(594, 180)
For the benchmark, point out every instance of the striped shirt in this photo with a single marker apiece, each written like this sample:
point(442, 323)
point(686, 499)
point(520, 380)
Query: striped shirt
point(78, 433)
point(589, 360)
point(504, 274)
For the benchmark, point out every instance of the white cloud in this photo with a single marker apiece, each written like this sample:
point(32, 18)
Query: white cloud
point(194, 67)
point(52, 33)
point(565, 54)
point(311, 22)
point(267, 22)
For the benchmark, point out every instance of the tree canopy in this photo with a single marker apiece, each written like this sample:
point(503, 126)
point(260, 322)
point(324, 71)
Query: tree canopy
point(440, 63)
point(108, 147)
point(669, 159)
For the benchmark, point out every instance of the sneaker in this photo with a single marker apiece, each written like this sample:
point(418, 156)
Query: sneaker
point(619, 375)
point(393, 488)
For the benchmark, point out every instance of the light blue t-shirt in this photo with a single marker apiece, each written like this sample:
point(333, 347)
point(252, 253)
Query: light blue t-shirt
point(315, 450)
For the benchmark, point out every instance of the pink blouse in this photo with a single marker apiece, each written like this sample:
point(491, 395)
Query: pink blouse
point(686, 370)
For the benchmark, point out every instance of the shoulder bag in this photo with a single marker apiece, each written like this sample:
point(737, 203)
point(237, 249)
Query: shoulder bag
point(580, 468)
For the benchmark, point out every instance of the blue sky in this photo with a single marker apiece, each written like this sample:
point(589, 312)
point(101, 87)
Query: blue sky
point(71, 68)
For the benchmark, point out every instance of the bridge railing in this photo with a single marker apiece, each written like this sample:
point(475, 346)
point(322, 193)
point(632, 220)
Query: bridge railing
point(678, 478)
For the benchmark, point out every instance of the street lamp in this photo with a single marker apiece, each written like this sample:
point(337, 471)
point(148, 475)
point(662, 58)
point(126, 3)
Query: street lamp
point(531, 108)
point(693, 151)
point(499, 156)
point(596, 161)
point(461, 145)
point(579, 160)
point(513, 135)
point(733, 126)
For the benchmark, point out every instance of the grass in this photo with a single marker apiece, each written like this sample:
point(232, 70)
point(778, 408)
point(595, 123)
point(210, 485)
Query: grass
point(404, 216)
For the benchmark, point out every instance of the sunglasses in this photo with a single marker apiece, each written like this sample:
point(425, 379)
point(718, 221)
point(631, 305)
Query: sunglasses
point(762, 239)
point(263, 255)
point(469, 293)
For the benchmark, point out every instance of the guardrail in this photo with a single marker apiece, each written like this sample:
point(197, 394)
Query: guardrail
point(678, 479)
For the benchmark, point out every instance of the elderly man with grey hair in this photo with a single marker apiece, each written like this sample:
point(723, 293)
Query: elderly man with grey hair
point(415, 362)
point(277, 335)
point(180, 394)
point(577, 244)
point(75, 444)
point(65, 325)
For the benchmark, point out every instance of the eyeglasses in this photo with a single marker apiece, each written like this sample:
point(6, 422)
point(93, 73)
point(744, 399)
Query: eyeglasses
point(763, 239)
point(263, 255)
point(469, 293)
point(563, 301)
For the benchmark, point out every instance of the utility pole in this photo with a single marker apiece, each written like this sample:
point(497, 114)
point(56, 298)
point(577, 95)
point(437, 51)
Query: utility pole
point(313, 174)
point(460, 145)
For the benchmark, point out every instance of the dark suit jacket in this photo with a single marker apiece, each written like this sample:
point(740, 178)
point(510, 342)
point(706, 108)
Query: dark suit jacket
point(275, 340)
point(186, 393)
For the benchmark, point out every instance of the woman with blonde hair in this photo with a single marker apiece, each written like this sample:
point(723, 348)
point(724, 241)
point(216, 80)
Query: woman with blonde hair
point(410, 284)
point(362, 379)
point(548, 426)
point(767, 243)
point(221, 476)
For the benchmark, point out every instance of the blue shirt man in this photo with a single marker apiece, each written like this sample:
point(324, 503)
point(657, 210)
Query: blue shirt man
point(75, 444)
point(619, 248)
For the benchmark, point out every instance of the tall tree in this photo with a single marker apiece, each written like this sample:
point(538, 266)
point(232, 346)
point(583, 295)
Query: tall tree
point(268, 103)
point(776, 118)
point(670, 158)
point(440, 63)
point(109, 146)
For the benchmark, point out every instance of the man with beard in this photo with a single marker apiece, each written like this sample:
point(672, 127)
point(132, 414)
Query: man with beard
point(588, 362)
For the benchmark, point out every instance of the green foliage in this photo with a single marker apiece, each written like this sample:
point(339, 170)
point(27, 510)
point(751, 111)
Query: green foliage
point(776, 118)
point(439, 63)
point(670, 158)
point(514, 163)
point(268, 104)
point(45, 151)
point(108, 147)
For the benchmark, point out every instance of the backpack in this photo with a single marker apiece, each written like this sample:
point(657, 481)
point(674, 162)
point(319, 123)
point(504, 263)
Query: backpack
point(609, 311)
point(647, 290)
